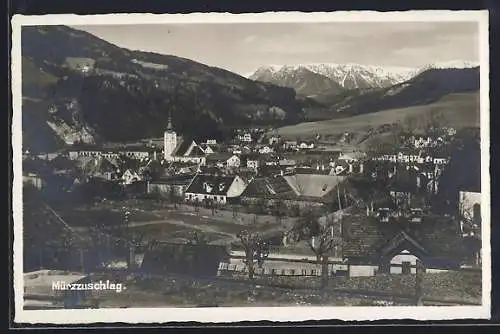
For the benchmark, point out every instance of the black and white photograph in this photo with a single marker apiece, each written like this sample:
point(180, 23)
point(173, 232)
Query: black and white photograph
point(230, 167)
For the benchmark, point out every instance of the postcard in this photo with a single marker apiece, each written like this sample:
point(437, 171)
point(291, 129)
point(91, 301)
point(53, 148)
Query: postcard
point(216, 167)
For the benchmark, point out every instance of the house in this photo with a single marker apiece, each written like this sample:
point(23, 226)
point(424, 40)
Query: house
point(220, 189)
point(287, 162)
point(246, 137)
point(47, 289)
point(211, 142)
point(273, 140)
point(224, 160)
point(178, 149)
point(207, 148)
point(130, 176)
point(266, 189)
point(351, 157)
point(34, 179)
point(265, 150)
point(62, 165)
point(170, 185)
point(99, 167)
point(252, 160)
point(183, 258)
point(370, 246)
point(188, 151)
point(470, 207)
point(290, 145)
point(306, 145)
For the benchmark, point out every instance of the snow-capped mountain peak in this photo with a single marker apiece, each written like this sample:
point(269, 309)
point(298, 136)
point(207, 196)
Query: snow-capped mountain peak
point(351, 75)
point(347, 75)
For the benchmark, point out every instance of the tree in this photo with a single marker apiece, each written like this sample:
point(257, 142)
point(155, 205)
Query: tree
point(321, 240)
point(234, 207)
point(256, 250)
point(173, 196)
point(278, 210)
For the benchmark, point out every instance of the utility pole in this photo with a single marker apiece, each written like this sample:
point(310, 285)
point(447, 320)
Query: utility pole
point(419, 273)
point(129, 246)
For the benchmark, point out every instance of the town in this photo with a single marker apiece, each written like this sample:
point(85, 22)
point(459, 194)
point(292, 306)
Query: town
point(255, 207)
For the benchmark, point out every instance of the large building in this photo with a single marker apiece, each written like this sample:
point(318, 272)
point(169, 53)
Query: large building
point(177, 149)
point(169, 140)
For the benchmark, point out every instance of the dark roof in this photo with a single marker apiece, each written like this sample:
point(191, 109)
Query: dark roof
point(269, 187)
point(182, 147)
point(31, 165)
point(219, 156)
point(183, 179)
point(197, 152)
point(369, 239)
point(62, 162)
point(210, 170)
point(210, 184)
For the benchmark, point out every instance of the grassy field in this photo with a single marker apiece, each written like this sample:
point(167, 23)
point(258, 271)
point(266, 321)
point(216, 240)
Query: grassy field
point(164, 222)
point(458, 111)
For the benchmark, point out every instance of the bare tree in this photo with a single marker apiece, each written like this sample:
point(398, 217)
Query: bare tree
point(256, 250)
point(321, 240)
point(173, 196)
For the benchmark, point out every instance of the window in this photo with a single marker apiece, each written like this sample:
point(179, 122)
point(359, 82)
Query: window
point(304, 272)
point(283, 272)
point(292, 272)
point(313, 272)
point(406, 267)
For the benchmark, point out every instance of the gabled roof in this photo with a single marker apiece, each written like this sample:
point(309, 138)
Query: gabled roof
point(183, 179)
point(182, 146)
point(267, 187)
point(210, 184)
point(219, 157)
point(369, 239)
point(313, 185)
point(196, 152)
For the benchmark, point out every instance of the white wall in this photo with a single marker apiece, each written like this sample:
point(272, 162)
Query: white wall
point(237, 187)
point(361, 270)
point(218, 198)
point(404, 256)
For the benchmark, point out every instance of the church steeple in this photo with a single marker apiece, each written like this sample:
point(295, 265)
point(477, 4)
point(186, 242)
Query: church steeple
point(169, 125)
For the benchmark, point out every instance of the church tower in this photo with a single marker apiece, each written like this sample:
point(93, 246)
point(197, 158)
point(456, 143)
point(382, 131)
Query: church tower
point(169, 140)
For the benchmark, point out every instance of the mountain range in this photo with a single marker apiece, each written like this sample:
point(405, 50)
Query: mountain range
point(336, 78)
point(80, 88)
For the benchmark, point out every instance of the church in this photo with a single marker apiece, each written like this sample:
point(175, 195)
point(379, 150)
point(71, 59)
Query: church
point(178, 150)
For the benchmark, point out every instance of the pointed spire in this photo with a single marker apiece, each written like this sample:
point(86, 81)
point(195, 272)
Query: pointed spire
point(169, 126)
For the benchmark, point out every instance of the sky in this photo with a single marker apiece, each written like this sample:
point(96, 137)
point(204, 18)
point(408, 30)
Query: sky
point(244, 47)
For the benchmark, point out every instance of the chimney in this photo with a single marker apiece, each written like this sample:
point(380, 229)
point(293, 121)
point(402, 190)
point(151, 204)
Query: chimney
point(350, 168)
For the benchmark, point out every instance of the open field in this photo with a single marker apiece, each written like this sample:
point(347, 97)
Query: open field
point(162, 222)
point(458, 111)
